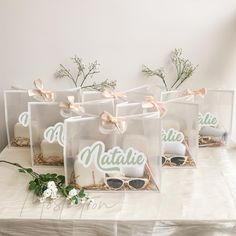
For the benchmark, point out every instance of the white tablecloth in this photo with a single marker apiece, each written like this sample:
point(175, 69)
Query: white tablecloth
point(200, 201)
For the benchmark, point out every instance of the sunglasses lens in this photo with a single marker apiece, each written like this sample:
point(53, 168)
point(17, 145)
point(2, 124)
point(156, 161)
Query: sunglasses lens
point(137, 183)
point(178, 161)
point(114, 183)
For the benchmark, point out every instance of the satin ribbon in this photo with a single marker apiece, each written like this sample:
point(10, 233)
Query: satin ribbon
point(71, 105)
point(40, 92)
point(158, 106)
point(196, 92)
point(109, 93)
point(107, 119)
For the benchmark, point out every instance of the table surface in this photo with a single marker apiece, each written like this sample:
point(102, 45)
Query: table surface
point(205, 193)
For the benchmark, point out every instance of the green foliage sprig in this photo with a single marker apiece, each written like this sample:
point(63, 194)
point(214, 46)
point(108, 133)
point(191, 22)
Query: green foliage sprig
point(51, 186)
point(184, 70)
point(83, 72)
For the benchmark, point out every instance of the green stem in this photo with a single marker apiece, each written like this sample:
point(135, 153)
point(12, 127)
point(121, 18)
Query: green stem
point(69, 75)
point(179, 74)
point(33, 174)
point(85, 77)
point(187, 76)
point(165, 84)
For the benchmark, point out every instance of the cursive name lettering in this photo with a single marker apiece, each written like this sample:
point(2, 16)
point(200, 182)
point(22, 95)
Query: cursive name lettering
point(172, 135)
point(55, 133)
point(112, 160)
point(24, 118)
point(207, 119)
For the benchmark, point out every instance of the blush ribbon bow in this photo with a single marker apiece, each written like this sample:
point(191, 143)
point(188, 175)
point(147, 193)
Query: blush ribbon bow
point(71, 105)
point(158, 106)
point(40, 92)
point(196, 92)
point(109, 93)
point(107, 118)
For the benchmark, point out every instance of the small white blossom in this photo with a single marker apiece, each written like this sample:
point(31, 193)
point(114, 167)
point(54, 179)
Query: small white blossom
point(73, 192)
point(51, 185)
point(54, 195)
point(47, 193)
point(42, 199)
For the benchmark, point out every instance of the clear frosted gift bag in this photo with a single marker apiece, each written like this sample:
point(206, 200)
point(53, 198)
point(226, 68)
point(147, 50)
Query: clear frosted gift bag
point(215, 117)
point(46, 133)
point(126, 109)
point(16, 111)
point(122, 153)
point(16, 117)
point(176, 95)
point(180, 134)
point(139, 94)
point(131, 95)
point(47, 127)
point(61, 95)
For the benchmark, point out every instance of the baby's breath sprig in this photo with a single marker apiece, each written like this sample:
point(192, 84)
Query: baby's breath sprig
point(83, 72)
point(157, 72)
point(51, 186)
point(184, 70)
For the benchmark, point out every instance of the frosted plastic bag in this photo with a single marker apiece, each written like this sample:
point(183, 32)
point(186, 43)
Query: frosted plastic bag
point(179, 129)
point(215, 113)
point(175, 95)
point(132, 95)
point(16, 116)
point(103, 156)
point(47, 127)
point(16, 113)
point(126, 109)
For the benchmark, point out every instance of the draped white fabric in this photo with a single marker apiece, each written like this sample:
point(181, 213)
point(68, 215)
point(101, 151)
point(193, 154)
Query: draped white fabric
point(200, 201)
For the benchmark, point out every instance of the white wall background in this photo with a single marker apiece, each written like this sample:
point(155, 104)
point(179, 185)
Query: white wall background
point(36, 36)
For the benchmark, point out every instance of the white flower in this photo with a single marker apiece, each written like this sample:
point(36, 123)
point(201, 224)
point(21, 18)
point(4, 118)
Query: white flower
point(42, 199)
point(54, 195)
point(73, 192)
point(47, 193)
point(51, 185)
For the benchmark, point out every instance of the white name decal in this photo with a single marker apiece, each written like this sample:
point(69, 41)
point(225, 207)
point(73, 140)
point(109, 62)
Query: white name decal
point(112, 160)
point(207, 119)
point(24, 118)
point(55, 133)
point(172, 135)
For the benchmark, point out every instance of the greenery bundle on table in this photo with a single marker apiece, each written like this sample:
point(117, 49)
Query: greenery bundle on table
point(51, 186)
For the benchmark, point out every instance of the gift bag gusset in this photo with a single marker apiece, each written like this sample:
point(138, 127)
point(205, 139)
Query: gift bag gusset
point(110, 153)
point(180, 135)
point(16, 117)
point(215, 117)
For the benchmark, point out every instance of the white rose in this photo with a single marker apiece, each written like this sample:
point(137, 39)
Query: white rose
point(42, 199)
point(51, 185)
point(73, 192)
point(47, 193)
